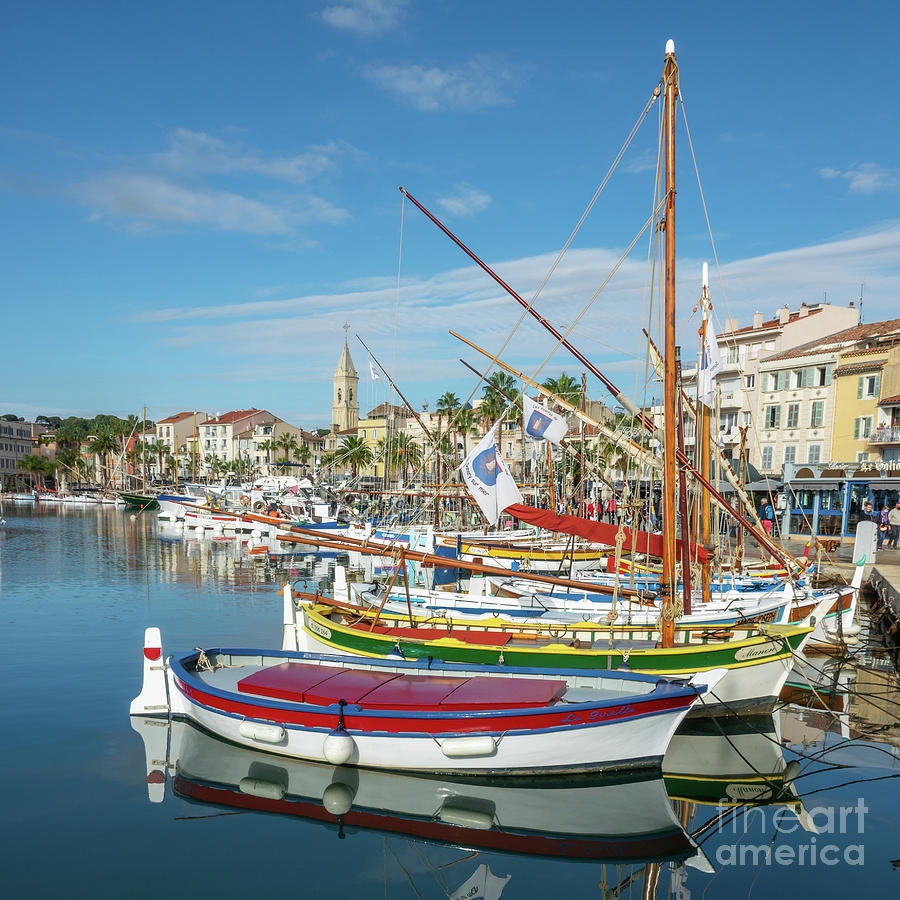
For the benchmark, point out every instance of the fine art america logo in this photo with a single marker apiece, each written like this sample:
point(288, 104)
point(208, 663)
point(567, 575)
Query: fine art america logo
point(821, 821)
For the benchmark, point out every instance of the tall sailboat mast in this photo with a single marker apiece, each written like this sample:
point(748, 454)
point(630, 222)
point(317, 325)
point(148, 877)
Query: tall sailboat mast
point(703, 443)
point(669, 577)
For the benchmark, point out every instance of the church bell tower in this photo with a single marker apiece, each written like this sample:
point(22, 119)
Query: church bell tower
point(345, 401)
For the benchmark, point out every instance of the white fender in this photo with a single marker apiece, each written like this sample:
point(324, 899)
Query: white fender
point(465, 747)
point(153, 699)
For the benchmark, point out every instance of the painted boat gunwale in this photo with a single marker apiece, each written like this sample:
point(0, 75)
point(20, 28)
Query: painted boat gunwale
point(666, 695)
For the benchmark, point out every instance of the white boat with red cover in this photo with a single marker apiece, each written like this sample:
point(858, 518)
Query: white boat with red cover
point(422, 715)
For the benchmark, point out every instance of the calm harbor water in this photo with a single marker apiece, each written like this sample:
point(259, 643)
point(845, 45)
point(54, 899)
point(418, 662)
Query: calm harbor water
point(806, 799)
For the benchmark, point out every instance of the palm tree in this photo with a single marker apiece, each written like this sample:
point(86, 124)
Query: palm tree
point(288, 443)
point(446, 405)
point(102, 445)
point(566, 387)
point(268, 446)
point(466, 427)
point(33, 465)
point(356, 453)
point(67, 460)
point(403, 452)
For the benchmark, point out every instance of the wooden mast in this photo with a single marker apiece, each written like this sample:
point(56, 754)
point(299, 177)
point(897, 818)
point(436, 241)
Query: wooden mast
point(669, 578)
point(703, 443)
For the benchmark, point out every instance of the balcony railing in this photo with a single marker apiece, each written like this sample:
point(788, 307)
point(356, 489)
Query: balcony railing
point(885, 435)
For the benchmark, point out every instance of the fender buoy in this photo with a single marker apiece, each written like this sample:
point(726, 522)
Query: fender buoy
point(245, 500)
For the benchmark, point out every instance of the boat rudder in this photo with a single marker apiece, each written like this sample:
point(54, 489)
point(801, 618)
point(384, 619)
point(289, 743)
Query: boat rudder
point(153, 699)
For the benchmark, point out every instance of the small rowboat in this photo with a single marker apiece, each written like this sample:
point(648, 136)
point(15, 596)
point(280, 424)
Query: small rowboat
point(421, 716)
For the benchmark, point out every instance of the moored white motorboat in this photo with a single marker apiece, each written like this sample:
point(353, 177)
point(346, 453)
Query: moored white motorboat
point(423, 716)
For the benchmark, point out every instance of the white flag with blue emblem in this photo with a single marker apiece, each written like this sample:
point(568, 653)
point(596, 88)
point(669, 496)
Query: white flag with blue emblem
point(541, 424)
point(488, 479)
point(710, 366)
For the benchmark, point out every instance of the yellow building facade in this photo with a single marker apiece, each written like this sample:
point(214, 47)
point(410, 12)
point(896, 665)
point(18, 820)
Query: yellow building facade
point(857, 382)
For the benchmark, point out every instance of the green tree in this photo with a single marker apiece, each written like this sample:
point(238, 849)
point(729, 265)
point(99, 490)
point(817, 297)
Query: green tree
point(404, 453)
point(103, 444)
point(566, 387)
point(356, 453)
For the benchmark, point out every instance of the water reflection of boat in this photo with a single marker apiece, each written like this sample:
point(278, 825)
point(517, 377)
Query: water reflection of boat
point(729, 761)
point(624, 820)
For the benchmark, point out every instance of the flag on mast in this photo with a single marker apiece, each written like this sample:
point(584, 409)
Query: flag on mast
point(541, 424)
point(488, 479)
point(373, 373)
point(710, 366)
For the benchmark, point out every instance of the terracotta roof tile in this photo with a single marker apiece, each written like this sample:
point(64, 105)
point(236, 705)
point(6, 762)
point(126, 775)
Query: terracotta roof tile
point(178, 417)
point(889, 329)
point(233, 416)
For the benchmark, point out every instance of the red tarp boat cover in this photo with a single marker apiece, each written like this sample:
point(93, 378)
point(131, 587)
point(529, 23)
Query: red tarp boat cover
point(599, 532)
point(310, 683)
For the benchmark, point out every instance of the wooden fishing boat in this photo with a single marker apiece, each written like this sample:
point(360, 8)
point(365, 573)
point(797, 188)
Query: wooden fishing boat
point(623, 818)
point(138, 501)
point(420, 715)
point(757, 658)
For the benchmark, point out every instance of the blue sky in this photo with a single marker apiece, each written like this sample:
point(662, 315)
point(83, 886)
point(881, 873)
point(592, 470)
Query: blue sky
point(197, 196)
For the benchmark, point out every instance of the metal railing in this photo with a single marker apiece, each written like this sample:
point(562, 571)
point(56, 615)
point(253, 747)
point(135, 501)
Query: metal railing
point(885, 435)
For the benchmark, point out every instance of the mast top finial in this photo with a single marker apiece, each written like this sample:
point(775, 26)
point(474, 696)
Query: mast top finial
point(670, 47)
point(706, 275)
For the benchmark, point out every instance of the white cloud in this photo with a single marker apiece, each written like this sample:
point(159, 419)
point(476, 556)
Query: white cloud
point(365, 17)
point(171, 187)
point(469, 302)
point(478, 83)
point(151, 198)
point(195, 152)
point(465, 201)
point(866, 178)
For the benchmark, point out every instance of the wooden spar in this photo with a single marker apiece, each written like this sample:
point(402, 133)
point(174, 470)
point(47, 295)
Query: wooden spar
point(778, 553)
point(669, 578)
point(683, 505)
point(298, 535)
point(634, 449)
point(703, 443)
point(409, 406)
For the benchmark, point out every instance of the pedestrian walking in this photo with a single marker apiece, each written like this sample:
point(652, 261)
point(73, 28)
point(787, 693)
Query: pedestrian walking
point(894, 521)
point(884, 525)
point(767, 516)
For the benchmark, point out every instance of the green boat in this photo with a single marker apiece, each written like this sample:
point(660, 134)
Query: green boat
point(758, 658)
point(139, 501)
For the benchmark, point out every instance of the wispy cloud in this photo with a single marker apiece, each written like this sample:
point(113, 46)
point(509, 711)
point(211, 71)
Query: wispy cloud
point(478, 83)
point(465, 201)
point(172, 188)
point(645, 161)
point(466, 300)
point(365, 17)
point(195, 152)
point(151, 198)
point(866, 178)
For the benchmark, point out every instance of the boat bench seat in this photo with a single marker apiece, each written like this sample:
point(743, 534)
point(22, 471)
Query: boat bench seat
point(309, 683)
